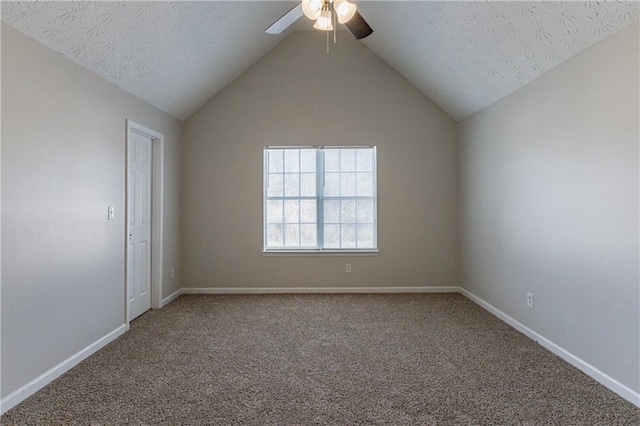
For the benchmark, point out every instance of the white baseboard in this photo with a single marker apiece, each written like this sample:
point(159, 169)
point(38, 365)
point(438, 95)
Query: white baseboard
point(606, 380)
point(170, 298)
point(316, 290)
point(38, 383)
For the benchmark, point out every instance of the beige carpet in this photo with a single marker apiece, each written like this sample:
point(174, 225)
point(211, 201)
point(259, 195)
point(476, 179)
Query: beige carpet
point(323, 359)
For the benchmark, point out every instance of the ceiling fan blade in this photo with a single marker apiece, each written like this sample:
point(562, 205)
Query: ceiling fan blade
point(358, 26)
point(285, 20)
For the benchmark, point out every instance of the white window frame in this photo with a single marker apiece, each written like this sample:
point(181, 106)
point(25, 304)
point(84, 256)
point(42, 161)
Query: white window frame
point(319, 198)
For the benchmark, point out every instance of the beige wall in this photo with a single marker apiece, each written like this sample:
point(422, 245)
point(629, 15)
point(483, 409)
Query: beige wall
point(299, 95)
point(549, 205)
point(548, 200)
point(63, 163)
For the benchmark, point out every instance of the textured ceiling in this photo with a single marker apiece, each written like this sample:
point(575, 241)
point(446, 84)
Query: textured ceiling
point(462, 55)
point(466, 55)
point(176, 56)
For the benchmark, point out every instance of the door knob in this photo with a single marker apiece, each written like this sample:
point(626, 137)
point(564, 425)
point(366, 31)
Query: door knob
point(131, 236)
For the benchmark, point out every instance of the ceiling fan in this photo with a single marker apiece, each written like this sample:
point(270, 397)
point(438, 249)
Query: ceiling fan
point(324, 12)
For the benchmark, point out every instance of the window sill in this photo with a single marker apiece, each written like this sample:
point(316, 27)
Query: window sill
point(372, 252)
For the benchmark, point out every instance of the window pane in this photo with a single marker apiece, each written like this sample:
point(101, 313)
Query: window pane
point(332, 211)
point(347, 160)
point(308, 211)
point(275, 161)
point(308, 235)
point(364, 160)
point(308, 184)
point(275, 186)
point(274, 211)
point(365, 184)
point(365, 236)
point(291, 235)
point(348, 211)
point(331, 184)
point(348, 239)
point(331, 160)
point(365, 211)
point(291, 160)
point(292, 211)
point(332, 236)
point(308, 160)
point(348, 184)
point(274, 235)
point(291, 185)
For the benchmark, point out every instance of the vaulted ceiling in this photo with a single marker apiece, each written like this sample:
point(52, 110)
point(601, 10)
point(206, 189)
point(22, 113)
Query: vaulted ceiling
point(462, 55)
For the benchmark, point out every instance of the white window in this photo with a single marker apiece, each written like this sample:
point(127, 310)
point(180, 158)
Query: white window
point(320, 199)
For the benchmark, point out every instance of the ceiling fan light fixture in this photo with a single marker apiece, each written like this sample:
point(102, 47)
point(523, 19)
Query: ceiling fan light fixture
point(325, 14)
point(312, 8)
point(324, 22)
point(344, 10)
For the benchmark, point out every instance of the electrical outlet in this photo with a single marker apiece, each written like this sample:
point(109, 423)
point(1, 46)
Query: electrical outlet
point(530, 300)
point(347, 268)
point(173, 272)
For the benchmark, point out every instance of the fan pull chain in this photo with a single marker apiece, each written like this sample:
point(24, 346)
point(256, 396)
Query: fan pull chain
point(335, 24)
point(327, 42)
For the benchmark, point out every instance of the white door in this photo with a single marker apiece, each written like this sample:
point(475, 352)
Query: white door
point(139, 225)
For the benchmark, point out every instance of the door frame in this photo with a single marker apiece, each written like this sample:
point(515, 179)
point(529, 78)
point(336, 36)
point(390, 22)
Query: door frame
point(157, 195)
